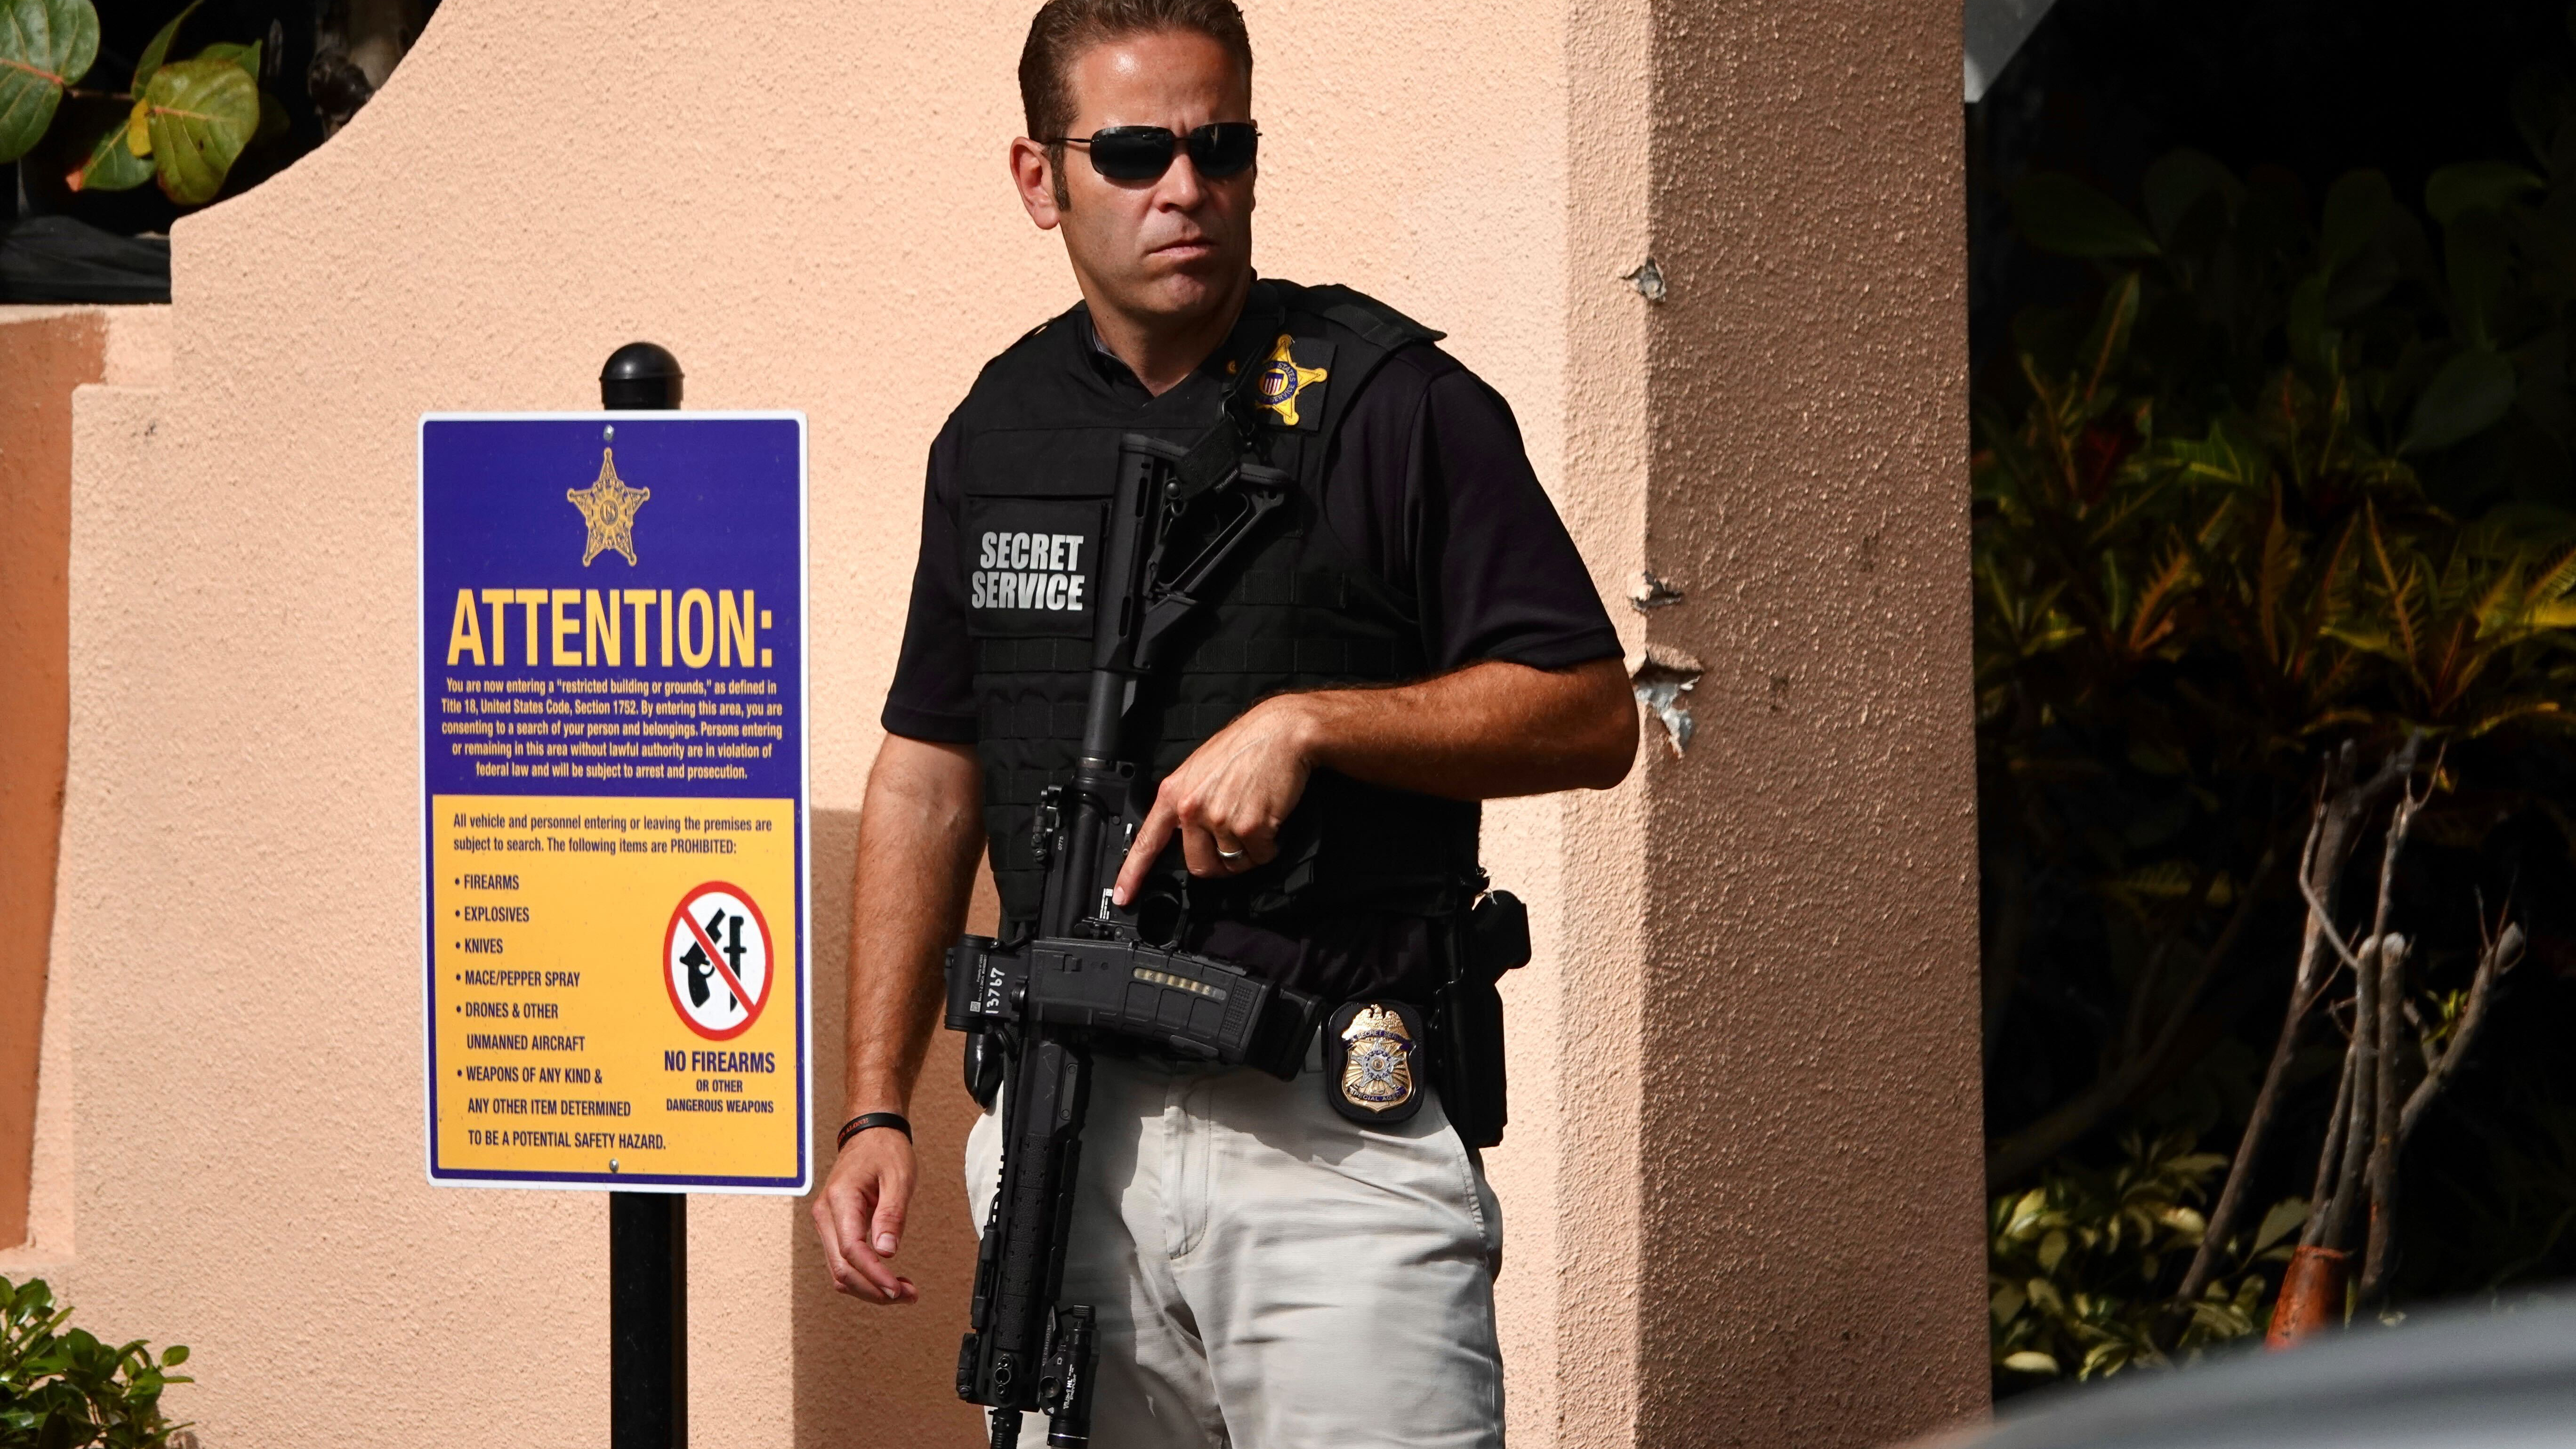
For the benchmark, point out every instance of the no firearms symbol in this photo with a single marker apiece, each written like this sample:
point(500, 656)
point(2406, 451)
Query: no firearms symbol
point(715, 960)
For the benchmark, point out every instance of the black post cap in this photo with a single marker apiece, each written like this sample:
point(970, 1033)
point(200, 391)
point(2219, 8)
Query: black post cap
point(640, 375)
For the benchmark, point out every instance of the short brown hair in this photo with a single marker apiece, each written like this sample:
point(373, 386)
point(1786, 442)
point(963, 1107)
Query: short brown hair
point(1064, 29)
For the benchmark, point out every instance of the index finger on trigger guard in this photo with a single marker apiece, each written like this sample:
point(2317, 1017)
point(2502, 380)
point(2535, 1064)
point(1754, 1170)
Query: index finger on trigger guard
point(1149, 841)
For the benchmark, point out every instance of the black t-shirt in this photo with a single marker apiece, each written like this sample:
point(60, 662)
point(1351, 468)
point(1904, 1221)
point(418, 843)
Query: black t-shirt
point(1427, 483)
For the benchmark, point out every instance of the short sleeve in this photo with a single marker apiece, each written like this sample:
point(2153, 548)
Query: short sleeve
point(1497, 575)
point(933, 695)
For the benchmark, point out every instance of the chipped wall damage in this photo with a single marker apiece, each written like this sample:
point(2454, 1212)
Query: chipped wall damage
point(1661, 677)
point(1810, 919)
point(1652, 592)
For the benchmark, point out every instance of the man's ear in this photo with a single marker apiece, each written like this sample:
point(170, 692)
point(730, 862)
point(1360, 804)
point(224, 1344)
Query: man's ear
point(1033, 172)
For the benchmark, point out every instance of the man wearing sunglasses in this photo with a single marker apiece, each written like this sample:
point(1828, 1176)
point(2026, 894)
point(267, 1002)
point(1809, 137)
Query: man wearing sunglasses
point(1275, 1265)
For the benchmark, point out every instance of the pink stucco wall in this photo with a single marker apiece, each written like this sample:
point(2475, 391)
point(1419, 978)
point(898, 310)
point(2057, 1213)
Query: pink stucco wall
point(238, 893)
point(47, 353)
point(1813, 1169)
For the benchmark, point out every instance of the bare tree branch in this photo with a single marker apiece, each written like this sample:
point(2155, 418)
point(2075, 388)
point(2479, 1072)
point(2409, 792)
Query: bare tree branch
point(2500, 957)
point(2332, 835)
point(2368, 1168)
point(2211, 959)
point(2401, 825)
point(2382, 1167)
point(2019, 1153)
point(2133, 1032)
point(2365, 1090)
point(2423, 1034)
point(2325, 923)
point(2329, 1158)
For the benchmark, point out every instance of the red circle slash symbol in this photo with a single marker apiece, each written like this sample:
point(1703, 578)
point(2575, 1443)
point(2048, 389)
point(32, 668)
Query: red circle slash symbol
point(716, 960)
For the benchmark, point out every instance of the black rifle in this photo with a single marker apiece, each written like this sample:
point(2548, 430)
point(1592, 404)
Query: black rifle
point(1091, 973)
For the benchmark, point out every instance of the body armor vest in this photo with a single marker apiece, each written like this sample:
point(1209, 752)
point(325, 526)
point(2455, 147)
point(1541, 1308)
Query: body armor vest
point(1296, 609)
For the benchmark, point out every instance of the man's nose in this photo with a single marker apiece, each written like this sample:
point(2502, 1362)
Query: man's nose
point(1182, 187)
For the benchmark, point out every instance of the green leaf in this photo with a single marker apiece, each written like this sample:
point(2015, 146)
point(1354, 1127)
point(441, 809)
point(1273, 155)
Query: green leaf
point(272, 116)
point(2045, 1297)
point(2477, 261)
point(245, 56)
point(45, 46)
point(2356, 206)
point(2030, 1361)
point(2307, 323)
point(2455, 191)
point(2106, 1358)
point(2220, 459)
point(2177, 182)
point(2362, 281)
point(272, 120)
point(2286, 1217)
point(2187, 1225)
point(178, 1353)
point(2464, 399)
point(159, 49)
point(2106, 346)
point(203, 112)
point(112, 164)
point(2006, 1303)
point(2061, 214)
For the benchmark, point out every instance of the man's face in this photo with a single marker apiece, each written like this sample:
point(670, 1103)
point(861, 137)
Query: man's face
point(1172, 246)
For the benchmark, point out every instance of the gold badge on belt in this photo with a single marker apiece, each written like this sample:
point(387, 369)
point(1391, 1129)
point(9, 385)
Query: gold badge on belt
point(1370, 1073)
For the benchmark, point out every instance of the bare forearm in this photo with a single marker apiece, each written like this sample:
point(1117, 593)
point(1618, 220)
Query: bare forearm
point(1484, 732)
point(1480, 733)
point(918, 837)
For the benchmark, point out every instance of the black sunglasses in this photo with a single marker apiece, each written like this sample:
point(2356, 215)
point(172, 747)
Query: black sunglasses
point(1141, 153)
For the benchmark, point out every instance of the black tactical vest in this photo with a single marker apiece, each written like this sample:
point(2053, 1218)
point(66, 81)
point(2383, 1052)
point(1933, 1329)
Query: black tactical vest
point(1298, 609)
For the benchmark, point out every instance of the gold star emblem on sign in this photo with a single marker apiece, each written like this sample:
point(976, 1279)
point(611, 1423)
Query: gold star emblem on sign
point(608, 506)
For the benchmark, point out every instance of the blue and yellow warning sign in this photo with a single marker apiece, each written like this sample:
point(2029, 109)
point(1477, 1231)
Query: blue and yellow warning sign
point(613, 652)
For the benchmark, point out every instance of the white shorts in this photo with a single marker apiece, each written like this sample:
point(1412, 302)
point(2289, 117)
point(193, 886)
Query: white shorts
point(1268, 1274)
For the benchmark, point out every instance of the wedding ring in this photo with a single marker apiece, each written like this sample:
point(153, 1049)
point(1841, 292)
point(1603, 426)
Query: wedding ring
point(1224, 854)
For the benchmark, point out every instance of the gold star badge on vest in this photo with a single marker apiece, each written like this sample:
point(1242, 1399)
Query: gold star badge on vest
point(608, 507)
point(1369, 1071)
point(1290, 384)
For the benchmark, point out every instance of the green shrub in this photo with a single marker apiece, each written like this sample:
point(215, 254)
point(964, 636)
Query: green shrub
point(2293, 484)
point(181, 123)
point(2076, 1266)
point(61, 1388)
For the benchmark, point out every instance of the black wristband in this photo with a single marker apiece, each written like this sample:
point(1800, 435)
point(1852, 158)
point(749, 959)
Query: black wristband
point(866, 1120)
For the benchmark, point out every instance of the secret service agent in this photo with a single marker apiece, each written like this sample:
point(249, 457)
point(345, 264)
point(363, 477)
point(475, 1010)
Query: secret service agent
point(1414, 632)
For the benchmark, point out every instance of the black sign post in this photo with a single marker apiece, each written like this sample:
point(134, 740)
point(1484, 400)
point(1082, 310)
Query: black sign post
point(648, 1232)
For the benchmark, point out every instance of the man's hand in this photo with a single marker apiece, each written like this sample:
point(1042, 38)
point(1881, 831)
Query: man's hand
point(1228, 798)
point(859, 1216)
point(919, 835)
point(1479, 733)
